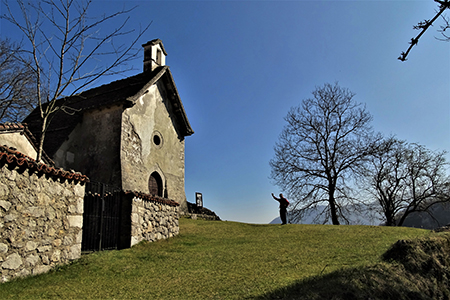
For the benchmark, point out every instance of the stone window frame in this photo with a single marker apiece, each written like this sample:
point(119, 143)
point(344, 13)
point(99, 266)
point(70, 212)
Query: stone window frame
point(157, 169)
point(155, 182)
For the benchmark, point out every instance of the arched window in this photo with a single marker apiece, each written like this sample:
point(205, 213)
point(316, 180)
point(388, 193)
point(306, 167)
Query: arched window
point(155, 185)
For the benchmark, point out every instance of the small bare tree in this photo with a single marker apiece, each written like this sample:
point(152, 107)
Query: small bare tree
point(385, 178)
point(424, 25)
point(65, 46)
point(324, 143)
point(17, 84)
point(406, 178)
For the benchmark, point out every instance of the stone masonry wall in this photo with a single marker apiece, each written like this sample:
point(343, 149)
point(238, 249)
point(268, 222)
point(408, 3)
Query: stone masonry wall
point(153, 219)
point(41, 217)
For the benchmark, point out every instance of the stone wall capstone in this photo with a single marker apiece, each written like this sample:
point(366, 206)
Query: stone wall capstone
point(41, 217)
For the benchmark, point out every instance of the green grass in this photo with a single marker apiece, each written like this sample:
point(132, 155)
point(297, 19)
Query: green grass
point(216, 260)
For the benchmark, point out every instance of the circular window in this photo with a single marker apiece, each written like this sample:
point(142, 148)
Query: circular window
point(157, 139)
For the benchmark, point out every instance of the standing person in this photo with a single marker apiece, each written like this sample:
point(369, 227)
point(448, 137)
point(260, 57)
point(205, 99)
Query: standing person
point(284, 203)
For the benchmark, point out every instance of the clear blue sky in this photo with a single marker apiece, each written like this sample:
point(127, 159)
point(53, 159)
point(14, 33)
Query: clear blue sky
point(240, 65)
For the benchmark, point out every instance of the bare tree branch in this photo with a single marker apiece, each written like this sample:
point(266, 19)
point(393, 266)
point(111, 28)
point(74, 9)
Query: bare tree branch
point(17, 82)
point(406, 178)
point(64, 42)
point(423, 26)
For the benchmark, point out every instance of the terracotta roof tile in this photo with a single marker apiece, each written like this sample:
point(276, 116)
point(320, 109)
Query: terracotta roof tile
point(152, 198)
point(15, 158)
point(12, 126)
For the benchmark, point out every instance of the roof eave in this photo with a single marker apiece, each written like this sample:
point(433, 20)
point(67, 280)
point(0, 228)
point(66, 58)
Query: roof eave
point(169, 82)
point(179, 108)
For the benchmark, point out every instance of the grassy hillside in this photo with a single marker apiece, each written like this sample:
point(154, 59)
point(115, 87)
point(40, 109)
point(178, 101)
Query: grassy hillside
point(223, 260)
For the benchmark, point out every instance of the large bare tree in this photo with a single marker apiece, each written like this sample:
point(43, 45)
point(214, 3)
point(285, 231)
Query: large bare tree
point(70, 49)
point(406, 178)
point(17, 84)
point(324, 143)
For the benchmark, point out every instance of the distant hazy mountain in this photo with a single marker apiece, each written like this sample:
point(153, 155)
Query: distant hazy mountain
point(439, 216)
point(309, 218)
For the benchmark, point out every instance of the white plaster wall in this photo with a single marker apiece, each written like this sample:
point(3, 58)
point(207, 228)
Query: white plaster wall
point(18, 141)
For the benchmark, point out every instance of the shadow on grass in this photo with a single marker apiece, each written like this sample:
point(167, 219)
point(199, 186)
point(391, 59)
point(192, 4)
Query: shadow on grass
point(418, 269)
point(378, 282)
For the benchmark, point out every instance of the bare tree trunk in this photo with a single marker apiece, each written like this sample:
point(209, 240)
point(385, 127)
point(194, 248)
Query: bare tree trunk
point(333, 210)
point(390, 218)
point(41, 140)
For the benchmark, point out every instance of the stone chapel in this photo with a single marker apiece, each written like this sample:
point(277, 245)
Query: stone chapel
point(129, 133)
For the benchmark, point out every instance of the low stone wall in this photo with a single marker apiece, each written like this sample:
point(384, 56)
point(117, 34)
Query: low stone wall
point(41, 217)
point(153, 218)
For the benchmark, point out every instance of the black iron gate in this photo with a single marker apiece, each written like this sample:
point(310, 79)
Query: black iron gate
point(101, 217)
